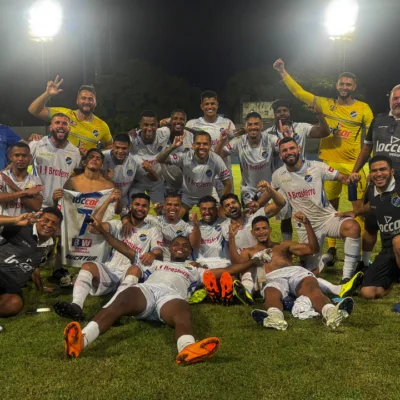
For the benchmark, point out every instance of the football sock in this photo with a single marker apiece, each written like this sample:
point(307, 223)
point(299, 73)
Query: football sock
point(247, 282)
point(82, 287)
point(365, 257)
point(90, 333)
point(184, 341)
point(326, 308)
point(351, 256)
point(328, 288)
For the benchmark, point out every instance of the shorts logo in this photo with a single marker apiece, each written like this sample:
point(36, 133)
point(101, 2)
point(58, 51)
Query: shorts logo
point(159, 148)
point(143, 237)
point(395, 199)
point(95, 133)
point(209, 173)
point(129, 172)
point(296, 137)
point(179, 233)
point(308, 178)
point(353, 114)
point(68, 160)
point(264, 154)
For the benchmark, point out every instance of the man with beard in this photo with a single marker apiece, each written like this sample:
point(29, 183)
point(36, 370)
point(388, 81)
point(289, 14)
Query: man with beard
point(200, 167)
point(54, 157)
point(148, 142)
point(213, 124)
point(27, 240)
point(162, 297)
point(98, 279)
point(87, 130)
point(283, 279)
point(171, 225)
point(302, 183)
point(382, 202)
point(120, 167)
point(19, 191)
point(243, 238)
point(348, 119)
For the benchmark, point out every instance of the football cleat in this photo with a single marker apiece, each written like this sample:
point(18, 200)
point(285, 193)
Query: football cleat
point(199, 351)
point(198, 296)
point(211, 285)
point(69, 310)
point(272, 320)
point(226, 284)
point(341, 311)
point(242, 294)
point(332, 251)
point(73, 340)
point(349, 287)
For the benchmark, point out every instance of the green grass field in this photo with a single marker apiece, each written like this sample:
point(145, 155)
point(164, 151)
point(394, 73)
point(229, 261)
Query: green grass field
point(136, 360)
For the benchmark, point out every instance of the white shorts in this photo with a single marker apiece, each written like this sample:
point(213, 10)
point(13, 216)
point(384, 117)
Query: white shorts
point(189, 200)
point(110, 279)
point(156, 193)
point(286, 280)
point(214, 262)
point(330, 228)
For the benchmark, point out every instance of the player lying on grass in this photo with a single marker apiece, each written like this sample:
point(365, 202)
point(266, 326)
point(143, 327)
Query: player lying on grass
point(162, 297)
point(282, 278)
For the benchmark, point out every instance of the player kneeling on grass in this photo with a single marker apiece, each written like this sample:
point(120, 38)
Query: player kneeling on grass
point(162, 297)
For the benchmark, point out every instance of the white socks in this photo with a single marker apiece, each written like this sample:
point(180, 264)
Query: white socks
point(184, 341)
point(351, 256)
point(82, 287)
point(329, 288)
point(286, 236)
point(325, 310)
point(365, 257)
point(90, 333)
point(247, 281)
point(324, 259)
point(277, 311)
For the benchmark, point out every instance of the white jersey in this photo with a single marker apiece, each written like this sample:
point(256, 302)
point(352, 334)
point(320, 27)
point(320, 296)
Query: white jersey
point(244, 238)
point(255, 162)
point(54, 166)
point(198, 179)
point(14, 207)
point(304, 189)
point(179, 276)
point(172, 174)
point(145, 238)
point(300, 132)
point(214, 129)
point(169, 231)
point(124, 174)
point(142, 179)
point(213, 243)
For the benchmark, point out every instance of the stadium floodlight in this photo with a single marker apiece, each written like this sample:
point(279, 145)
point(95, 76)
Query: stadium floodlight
point(341, 18)
point(45, 19)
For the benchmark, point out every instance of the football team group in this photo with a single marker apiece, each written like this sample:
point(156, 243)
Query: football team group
point(161, 264)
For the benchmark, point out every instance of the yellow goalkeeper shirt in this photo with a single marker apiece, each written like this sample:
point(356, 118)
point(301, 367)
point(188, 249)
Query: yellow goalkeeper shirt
point(84, 134)
point(347, 123)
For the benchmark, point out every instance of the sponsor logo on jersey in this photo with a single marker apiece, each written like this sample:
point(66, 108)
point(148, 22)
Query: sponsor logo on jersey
point(68, 160)
point(45, 170)
point(301, 194)
point(129, 172)
point(395, 199)
point(95, 132)
point(88, 202)
point(143, 237)
point(353, 114)
point(392, 147)
point(390, 226)
point(308, 178)
point(209, 173)
point(209, 241)
point(78, 242)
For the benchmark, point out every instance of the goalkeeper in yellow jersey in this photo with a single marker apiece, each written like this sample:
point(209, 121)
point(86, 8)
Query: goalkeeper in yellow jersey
point(348, 120)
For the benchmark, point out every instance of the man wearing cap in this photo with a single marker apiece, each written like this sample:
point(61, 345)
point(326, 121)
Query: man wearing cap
point(87, 130)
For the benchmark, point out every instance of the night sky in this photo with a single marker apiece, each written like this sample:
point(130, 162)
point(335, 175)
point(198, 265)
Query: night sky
point(204, 42)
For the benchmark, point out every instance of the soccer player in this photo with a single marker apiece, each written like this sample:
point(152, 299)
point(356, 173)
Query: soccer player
point(120, 167)
point(87, 130)
point(200, 167)
point(302, 183)
point(7, 138)
point(283, 279)
point(20, 192)
point(383, 202)
point(348, 120)
point(213, 124)
point(98, 279)
point(171, 225)
point(54, 157)
point(176, 127)
point(146, 145)
point(162, 297)
point(27, 240)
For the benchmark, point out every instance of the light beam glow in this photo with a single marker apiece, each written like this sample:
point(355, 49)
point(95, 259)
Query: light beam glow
point(341, 18)
point(45, 19)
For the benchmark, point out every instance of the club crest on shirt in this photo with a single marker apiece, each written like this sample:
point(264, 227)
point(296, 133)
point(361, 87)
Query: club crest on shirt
point(308, 178)
point(186, 149)
point(129, 172)
point(217, 228)
point(353, 114)
point(73, 123)
point(209, 173)
point(395, 199)
point(159, 148)
point(143, 237)
point(68, 160)
point(332, 107)
point(264, 153)
point(95, 132)
point(296, 137)
point(179, 233)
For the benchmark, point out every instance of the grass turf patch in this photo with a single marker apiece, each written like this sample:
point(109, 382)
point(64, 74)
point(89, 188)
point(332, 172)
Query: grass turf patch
point(136, 359)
